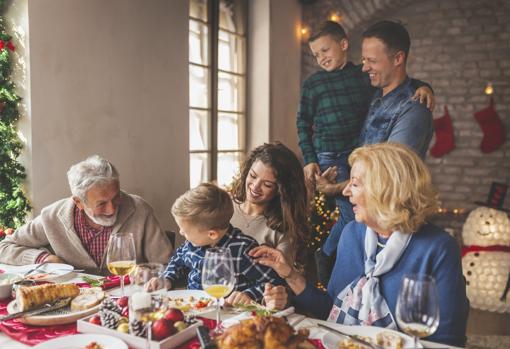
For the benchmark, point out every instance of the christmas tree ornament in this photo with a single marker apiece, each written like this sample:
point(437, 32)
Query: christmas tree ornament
point(445, 141)
point(492, 127)
point(486, 255)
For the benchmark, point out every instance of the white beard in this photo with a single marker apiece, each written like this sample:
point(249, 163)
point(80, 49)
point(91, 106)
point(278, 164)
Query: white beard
point(101, 220)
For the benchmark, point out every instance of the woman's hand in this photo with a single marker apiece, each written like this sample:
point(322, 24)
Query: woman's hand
point(272, 258)
point(326, 182)
point(425, 94)
point(275, 297)
point(237, 297)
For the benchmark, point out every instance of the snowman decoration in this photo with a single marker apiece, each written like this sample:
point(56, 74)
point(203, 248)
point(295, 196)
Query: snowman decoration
point(486, 259)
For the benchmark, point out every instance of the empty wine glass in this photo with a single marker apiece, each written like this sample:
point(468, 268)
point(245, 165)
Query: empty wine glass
point(145, 272)
point(121, 256)
point(417, 306)
point(218, 277)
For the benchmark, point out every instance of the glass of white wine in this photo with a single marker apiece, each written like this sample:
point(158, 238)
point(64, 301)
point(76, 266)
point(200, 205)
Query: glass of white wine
point(121, 256)
point(417, 306)
point(218, 277)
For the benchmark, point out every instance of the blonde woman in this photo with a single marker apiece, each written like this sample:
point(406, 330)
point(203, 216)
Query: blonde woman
point(392, 196)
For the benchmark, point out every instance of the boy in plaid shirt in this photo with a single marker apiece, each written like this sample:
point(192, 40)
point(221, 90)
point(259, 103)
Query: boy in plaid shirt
point(203, 215)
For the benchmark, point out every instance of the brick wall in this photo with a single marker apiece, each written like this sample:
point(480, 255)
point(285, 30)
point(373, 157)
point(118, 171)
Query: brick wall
point(457, 46)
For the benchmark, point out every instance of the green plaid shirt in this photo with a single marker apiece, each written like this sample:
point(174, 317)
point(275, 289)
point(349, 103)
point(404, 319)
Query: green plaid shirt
point(332, 110)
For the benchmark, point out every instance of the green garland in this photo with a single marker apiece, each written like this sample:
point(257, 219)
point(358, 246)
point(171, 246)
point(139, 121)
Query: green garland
point(14, 205)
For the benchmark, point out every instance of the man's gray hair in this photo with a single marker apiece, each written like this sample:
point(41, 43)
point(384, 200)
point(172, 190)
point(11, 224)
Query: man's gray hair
point(94, 170)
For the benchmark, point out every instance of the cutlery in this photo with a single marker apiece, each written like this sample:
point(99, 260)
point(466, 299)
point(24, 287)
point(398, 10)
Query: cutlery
point(351, 337)
point(33, 269)
point(45, 308)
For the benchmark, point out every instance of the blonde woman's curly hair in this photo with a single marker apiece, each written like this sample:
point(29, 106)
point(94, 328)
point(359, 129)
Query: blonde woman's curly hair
point(398, 189)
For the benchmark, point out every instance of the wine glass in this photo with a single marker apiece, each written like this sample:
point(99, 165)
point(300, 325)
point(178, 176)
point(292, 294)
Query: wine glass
point(218, 277)
point(417, 306)
point(145, 272)
point(121, 256)
point(142, 309)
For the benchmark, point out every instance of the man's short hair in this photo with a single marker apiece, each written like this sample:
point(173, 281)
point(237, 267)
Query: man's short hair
point(92, 171)
point(394, 35)
point(206, 205)
point(331, 28)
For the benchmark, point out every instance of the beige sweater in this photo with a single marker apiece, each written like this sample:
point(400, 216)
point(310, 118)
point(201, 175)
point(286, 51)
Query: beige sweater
point(256, 227)
point(53, 231)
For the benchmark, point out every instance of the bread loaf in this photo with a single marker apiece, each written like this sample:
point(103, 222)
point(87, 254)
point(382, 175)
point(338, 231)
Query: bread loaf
point(36, 296)
point(89, 297)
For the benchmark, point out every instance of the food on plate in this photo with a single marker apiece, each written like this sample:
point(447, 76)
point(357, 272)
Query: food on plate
point(386, 339)
point(38, 276)
point(33, 297)
point(350, 344)
point(389, 340)
point(190, 303)
point(93, 345)
point(262, 332)
point(88, 298)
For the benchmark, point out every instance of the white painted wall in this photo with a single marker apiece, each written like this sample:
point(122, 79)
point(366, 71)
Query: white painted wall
point(274, 72)
point(110, 77)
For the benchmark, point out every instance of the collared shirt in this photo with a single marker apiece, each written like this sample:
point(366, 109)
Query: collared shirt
point(395, 117)
point(332, 109)
point(250, 276)
point(94, 240)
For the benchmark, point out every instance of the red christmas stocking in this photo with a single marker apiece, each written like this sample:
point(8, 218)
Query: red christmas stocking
point(492, 127)
point(444, 135)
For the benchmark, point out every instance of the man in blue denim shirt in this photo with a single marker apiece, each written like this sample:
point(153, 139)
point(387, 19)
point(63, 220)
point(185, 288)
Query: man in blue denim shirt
point(393, 115)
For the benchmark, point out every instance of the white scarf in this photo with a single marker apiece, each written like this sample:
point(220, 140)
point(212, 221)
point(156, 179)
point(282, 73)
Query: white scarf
point(361, 303)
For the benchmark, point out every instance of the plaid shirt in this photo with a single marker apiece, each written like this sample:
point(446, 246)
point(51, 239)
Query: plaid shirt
point(94, 240)
point(332, 110)
point(250, 276)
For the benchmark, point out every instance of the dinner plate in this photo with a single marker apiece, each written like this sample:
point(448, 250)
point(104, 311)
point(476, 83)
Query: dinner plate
point(55, 317)
point(330, 340)
point(47, 272)
point(80, 341)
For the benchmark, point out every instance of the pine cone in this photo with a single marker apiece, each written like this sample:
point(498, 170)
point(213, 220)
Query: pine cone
point(137, 328)
point(109, 319)
point(111, 305)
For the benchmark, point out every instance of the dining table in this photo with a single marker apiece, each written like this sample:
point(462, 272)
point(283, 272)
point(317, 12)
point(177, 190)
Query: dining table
point(296, 320)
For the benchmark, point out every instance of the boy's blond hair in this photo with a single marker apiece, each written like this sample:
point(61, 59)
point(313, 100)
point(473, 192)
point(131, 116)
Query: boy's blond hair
point(207, 205)
point(398, 187)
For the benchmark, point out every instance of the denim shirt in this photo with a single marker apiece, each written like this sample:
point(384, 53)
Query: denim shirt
point(395, 117)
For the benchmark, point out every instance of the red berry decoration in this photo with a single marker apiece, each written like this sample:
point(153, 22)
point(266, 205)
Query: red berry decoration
point(125, 312)
point(123, 301)
point(162, 328)
point(96, 320)
point(174, 315)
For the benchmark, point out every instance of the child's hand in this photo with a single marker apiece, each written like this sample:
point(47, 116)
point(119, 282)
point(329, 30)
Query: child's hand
point(425, 94)
point(156, 284)
point(237, 297)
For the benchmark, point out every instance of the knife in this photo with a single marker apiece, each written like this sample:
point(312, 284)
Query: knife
point(45, 308)
point(351, 337)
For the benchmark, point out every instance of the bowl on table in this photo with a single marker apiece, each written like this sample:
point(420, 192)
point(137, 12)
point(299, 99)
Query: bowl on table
point(6, 282)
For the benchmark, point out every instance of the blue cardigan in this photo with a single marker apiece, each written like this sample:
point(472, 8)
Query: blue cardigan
point(431, 251)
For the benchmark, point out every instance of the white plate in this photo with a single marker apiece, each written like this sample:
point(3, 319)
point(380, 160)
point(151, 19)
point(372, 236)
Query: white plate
point(80, 341)
point(330, 340)
point(55, 271)
point(55, 317)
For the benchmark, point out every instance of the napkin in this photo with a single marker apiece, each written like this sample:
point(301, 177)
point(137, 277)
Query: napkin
point(109, 282)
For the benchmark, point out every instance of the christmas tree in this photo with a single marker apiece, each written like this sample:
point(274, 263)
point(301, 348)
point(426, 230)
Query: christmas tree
point(14, 205)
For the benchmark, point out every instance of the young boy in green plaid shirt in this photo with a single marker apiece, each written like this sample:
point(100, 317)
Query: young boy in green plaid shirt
point(334, 104)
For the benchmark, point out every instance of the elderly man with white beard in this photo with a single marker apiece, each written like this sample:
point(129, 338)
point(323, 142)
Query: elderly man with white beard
point(76, 230)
